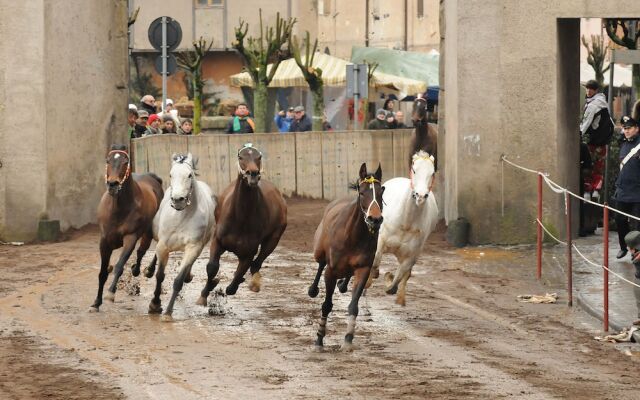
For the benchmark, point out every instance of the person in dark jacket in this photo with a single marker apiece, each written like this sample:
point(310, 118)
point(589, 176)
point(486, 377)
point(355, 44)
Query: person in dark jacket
point(300, 123)
point(627, 194)
point(379, 122)
point(241, 123)
point(148, 103)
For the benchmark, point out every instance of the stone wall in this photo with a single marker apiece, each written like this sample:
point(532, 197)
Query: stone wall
point(64, 86)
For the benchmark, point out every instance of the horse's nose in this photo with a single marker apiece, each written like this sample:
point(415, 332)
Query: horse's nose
point(179, 199)
point(375, 222)
point(112, 184)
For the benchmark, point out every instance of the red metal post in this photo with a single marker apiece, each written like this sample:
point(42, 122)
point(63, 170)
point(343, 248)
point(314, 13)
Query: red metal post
point(539, 224)
point(567, 199)
point(605, 224)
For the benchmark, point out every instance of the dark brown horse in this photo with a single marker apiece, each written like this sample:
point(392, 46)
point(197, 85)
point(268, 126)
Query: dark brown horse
point(125, 214)
point(251, 213)
point(345, 242)
point(425, 135)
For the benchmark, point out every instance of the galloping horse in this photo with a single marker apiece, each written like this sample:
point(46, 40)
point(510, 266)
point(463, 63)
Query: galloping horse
point(125, 214)
point(251, 213)
point(425, 135)
point(184, 222)
point(345, 241)
point(410, 215)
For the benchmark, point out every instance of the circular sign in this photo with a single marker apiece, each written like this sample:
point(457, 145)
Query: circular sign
point(174, 34)
point(171, 64)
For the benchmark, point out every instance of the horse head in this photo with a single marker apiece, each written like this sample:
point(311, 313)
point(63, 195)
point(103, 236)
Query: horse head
point(370, 197)
point(118, 168)
point(183, 180)
point(422, 175)
point(250, 164)
point(419, 113)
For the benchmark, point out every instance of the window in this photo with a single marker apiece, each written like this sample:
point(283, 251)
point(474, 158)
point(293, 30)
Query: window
point(208, 3)
point(420, 8)
point(324, 7)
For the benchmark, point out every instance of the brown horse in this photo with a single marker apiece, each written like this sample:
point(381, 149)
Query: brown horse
point(251, 213)
point(425, 135)
point(125, 214)
point(346, 241)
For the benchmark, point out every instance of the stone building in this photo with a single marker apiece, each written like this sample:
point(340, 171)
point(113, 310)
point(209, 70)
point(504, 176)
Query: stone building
point(63, 79)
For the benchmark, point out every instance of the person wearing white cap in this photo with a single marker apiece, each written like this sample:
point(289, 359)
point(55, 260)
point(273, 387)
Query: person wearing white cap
point(170, 111)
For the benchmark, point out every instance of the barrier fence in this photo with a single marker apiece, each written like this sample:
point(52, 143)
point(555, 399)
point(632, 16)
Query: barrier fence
point(311, 164)
point(542, 176)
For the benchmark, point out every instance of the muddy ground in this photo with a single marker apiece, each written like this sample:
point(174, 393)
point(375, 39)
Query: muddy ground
point(461, 335)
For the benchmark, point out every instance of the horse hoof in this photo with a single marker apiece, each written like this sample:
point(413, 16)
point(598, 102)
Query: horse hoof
point(202, 301)
point(391, 290)
point(188, 278)
point(347, 347)
point(93, 309)
point(313, 291)
point(135, 270)
point(343, 286)
point(148, 273)
point(375, 273)
point(401, 301)
point(255, 283)
point(231, 290)
point(155, 308)
point(166, 318)
point(110, 268)
point(109, 296)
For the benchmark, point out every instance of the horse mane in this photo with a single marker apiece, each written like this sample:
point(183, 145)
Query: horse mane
point(181, 158)
point(423, 140)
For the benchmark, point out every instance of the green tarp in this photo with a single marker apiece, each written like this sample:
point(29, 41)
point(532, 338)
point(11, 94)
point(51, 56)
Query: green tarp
point(407, 64)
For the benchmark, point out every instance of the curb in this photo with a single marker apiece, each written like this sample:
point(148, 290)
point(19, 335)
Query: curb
point(597, 313)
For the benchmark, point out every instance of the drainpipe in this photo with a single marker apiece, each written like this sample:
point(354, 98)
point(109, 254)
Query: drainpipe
point(366, 24)
point(225, 25)
point(406, 25)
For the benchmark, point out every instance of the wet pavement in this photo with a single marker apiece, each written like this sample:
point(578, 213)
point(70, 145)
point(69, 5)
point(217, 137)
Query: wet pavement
point(588, 279)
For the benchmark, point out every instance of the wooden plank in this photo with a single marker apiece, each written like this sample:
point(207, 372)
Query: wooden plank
point(381, 145)
point(335, 147)
point(213, 159)
point(309, 164)
point(140, 162)
point(401, 143)
point(359, 151)
point(160, 148)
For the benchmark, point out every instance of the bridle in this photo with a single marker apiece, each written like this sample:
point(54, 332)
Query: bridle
point(421, 121)
point(372, 181)
point(126, 174)
point(412, 172)
point(188, 198)
point(243, 172)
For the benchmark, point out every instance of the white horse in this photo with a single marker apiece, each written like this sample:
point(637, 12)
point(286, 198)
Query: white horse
point(185, 221)
point(410, 215)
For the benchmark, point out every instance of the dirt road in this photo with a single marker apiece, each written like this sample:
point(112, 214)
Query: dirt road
point(461, 335)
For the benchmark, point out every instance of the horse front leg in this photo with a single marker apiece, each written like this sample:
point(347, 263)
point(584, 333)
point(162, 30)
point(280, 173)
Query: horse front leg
point(361, 275)
point(145, 242)
point(266, 247)
point(213, 266)
point(404, 269)
point(129, 243)
point(330, 285)
point(238, 277)
point(162, 253)
point(105, 256)
point(191, 253)
point(313, 289)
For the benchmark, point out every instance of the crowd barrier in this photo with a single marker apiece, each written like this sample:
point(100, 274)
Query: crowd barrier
point(311, 164)
point(541, 230)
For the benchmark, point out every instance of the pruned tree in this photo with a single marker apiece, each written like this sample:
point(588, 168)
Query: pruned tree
point(133, 17)
point(312, 75)
point(191, 62)
point(371, 69)
point(257, 54)
point(597, 52)
point(626, 33)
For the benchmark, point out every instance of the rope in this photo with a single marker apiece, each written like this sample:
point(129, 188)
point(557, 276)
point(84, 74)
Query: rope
point(584, 257)
point(559, 189)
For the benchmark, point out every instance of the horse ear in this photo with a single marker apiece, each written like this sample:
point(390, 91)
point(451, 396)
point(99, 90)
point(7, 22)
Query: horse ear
point(189, 159)
point(363, 171)
point(194, 163)
point(174, 156)
point(378, 173)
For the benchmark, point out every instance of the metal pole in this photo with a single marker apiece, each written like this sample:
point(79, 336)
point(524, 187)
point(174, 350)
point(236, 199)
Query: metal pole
point(606, 266)
point(539, 247)
point(164, 63)
point(567, 199)
point(356, 72)
point(605, 186)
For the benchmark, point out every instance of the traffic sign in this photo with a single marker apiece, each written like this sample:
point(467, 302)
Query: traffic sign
point(174, 34)
point(172, 64)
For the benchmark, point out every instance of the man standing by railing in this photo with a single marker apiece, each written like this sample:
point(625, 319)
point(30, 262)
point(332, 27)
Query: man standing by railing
point(627, 194)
